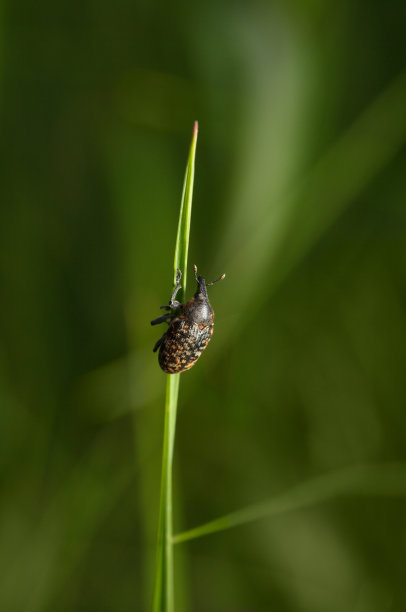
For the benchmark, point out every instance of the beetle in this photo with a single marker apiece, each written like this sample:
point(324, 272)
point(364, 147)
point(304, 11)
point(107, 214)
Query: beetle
point(190, 327)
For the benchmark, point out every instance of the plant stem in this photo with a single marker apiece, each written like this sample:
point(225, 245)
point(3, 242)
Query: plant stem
point(164, 574)
point(164, 590)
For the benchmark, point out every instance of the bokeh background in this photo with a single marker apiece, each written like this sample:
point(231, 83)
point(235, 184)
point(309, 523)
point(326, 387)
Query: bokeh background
point(300, 199)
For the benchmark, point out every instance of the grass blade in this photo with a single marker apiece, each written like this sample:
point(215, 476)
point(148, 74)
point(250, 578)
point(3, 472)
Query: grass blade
point(164, 572)
point(374, 480)
point(185, 215)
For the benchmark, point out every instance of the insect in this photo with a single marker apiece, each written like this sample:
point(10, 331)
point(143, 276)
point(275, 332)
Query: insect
point(190, 328)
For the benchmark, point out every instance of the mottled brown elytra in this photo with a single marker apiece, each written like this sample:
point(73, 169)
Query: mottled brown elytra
point(190, 328)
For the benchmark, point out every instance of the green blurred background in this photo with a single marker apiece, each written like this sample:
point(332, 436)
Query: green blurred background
point(300, 199)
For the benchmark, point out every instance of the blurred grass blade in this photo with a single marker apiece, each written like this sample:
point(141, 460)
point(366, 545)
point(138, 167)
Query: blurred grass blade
point(164, 573)
point(285, 230)
point(377, 480)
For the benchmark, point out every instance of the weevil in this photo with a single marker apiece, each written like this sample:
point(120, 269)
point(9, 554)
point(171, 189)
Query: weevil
point(190, 327)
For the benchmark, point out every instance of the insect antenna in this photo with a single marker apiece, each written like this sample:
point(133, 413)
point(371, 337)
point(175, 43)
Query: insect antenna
point(208, 284)
point(216, 281)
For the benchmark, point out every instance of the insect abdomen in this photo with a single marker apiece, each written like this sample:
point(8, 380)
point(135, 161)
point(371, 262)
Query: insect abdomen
point(183, 344)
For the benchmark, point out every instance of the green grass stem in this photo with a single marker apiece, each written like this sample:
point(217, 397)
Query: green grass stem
point(164, 572)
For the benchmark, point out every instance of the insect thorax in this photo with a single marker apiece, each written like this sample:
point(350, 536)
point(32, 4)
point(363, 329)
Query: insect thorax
point(199, 310)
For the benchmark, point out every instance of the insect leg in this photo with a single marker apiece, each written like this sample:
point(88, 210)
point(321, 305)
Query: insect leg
point(158, 344)
point(162, 319)
point(173, 304)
